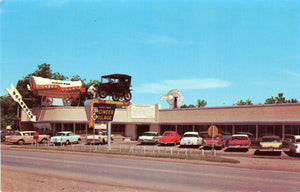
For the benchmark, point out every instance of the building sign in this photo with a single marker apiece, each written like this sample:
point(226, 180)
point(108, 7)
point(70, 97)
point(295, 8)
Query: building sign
point(98, 110)
point(143, 111)
point(103, 112)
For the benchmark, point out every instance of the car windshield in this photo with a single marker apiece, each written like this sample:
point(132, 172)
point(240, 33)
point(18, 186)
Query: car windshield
point(60, 134)
point(168, 134)
point(149, 134)
point(239, 138)
point(270, 139)
point(190, 135)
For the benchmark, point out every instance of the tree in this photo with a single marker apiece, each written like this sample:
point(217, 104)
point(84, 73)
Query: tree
point(188, 106)
point(9, 108)
point(241, 102)
point(201, 103)
point(279, 100)
point(270, 100)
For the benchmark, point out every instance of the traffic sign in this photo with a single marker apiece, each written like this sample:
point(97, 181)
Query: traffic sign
point(213, 131)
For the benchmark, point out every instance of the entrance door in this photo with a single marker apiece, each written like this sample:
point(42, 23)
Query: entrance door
point(140, 129)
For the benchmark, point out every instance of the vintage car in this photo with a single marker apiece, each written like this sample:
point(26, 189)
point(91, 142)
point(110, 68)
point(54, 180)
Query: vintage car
point(270, 144)
point(4, 134)
point(295, 145)
point(191, 139)
point(99, 138)
point(65, 137)
point(218, 141)
point(169, 137)
point(149, 137)
point(25, 137)
point(115, 85)
point(239, 141)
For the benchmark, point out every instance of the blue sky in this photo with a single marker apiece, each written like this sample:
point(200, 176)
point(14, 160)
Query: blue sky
point(219, 51)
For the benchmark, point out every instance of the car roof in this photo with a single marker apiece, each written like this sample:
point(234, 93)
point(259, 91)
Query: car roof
point(297, 136)
point(271, 136)
point(119, 76)
point(191, 132)
point(238, 135)
point(170, 132)
point(65, 132)
point(150, 132)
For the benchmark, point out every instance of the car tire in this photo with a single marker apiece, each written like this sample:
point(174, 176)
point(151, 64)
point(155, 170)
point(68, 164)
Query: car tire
point(68, 142)
point(21, 142)
point(127, 96)
point(44, 141)
point(115, 97)
point(102, 94)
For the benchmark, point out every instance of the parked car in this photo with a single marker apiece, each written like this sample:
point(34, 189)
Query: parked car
point(149, 137)
point(218, 141)
point(5, 133)
point(169, 137)
point(270, 144)
point(191, 139)
point(115, 85)
point(239, 141)
point(100, 138)
point(295, 145)
point(254, 141)
point(65, 137)
point(287, 140)
point(24, 137)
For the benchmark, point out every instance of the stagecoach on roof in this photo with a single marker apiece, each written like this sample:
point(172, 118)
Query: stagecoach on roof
point(48, 89)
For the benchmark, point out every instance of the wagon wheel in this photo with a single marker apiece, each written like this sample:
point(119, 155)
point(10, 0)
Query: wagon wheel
point(127, 96)
point(102, 94)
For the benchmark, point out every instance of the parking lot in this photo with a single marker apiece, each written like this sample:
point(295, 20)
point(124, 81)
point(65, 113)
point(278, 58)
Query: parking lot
point(135, 147)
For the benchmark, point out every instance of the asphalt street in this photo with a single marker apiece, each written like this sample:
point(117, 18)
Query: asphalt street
point(150, 174)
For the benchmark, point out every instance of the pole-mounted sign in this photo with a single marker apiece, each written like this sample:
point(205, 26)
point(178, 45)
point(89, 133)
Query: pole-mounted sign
point(102, 111)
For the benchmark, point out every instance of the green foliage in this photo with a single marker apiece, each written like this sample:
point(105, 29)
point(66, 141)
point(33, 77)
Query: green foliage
point(187, 106)
point(201, 103)
point(9, 108)
point(241, 102)
point(279, 100)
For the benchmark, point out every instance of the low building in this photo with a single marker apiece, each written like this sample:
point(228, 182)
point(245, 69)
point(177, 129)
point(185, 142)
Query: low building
point(132, 121)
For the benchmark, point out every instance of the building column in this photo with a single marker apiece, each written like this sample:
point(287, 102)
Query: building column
point(256, 132)
point(233, 129)
point(54, 128)
point(74, 127)
point(86, 125)
point(283, 131)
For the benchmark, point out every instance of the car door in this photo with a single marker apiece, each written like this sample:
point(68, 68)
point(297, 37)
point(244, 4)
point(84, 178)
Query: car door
point(28, 137)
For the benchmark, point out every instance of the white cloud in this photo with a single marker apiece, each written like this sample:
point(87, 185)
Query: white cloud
point(293, 73)
point(184, 84)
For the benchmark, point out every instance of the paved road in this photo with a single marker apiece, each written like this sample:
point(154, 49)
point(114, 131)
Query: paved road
point(150, 174)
